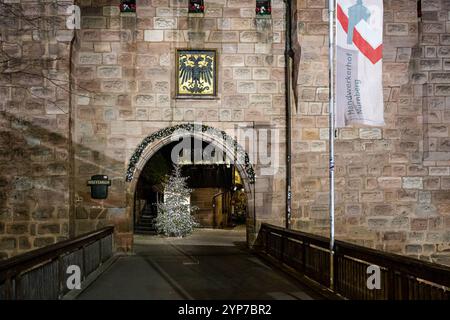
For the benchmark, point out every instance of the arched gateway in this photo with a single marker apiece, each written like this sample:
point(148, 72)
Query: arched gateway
point(219, 140)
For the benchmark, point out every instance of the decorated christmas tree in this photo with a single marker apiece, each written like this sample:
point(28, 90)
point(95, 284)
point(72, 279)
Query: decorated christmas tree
point(175, 213)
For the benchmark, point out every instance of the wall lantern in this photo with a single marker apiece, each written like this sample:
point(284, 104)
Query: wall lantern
point(99, 186)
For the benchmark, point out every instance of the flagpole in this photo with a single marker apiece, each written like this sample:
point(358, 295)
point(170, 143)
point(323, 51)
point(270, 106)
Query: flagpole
point(331, 15)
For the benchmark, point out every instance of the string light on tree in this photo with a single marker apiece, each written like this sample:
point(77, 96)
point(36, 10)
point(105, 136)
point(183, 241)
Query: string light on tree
point(175, 213)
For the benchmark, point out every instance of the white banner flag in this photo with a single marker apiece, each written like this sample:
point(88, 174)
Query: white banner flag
point(359, 86)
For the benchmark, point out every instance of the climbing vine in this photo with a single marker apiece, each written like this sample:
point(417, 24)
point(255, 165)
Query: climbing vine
point(190, 127)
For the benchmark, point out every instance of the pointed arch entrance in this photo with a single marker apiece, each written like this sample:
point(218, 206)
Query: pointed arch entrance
point(220, 140)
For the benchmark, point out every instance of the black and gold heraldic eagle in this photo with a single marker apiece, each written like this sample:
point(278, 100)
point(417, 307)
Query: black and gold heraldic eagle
point(196, 73)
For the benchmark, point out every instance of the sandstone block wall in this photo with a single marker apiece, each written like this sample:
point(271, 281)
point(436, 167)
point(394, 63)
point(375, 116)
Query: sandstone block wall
point(128, 61)
point(391, 181)
point(34, 125)
point(393, 186)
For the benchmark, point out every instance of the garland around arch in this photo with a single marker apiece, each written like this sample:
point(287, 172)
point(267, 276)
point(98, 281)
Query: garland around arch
point(189, 127)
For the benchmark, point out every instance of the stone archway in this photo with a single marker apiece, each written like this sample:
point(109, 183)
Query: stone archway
point(220, 139)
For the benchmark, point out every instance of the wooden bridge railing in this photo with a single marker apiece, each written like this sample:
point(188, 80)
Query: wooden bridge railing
point(402, 278)
point(42, 273)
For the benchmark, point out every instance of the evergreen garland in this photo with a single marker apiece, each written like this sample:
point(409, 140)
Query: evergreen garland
point(190, 127)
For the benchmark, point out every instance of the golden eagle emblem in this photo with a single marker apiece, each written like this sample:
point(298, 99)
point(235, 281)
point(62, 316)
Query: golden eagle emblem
point(196, 72)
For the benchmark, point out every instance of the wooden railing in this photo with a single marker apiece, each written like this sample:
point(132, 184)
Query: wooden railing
point(402, 278)
point(42, 273)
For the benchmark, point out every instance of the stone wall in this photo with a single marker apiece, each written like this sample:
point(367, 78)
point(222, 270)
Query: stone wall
point(128, 60)
point(433, 73)
point(391, 193)
point(393, 183)
point(34, 125)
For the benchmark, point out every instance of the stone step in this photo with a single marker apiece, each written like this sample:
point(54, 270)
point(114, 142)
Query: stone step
point(146, 232)
point(144, 221)
point(149, 223)
point(144, 228)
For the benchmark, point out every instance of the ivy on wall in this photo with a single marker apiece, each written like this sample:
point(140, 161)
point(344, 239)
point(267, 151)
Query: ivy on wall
point(190, 127)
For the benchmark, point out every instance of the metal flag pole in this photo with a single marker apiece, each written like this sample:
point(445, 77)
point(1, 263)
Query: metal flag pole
point(331, 15)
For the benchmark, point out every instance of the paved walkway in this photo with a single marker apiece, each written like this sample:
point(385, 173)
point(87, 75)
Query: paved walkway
point(210, 264)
